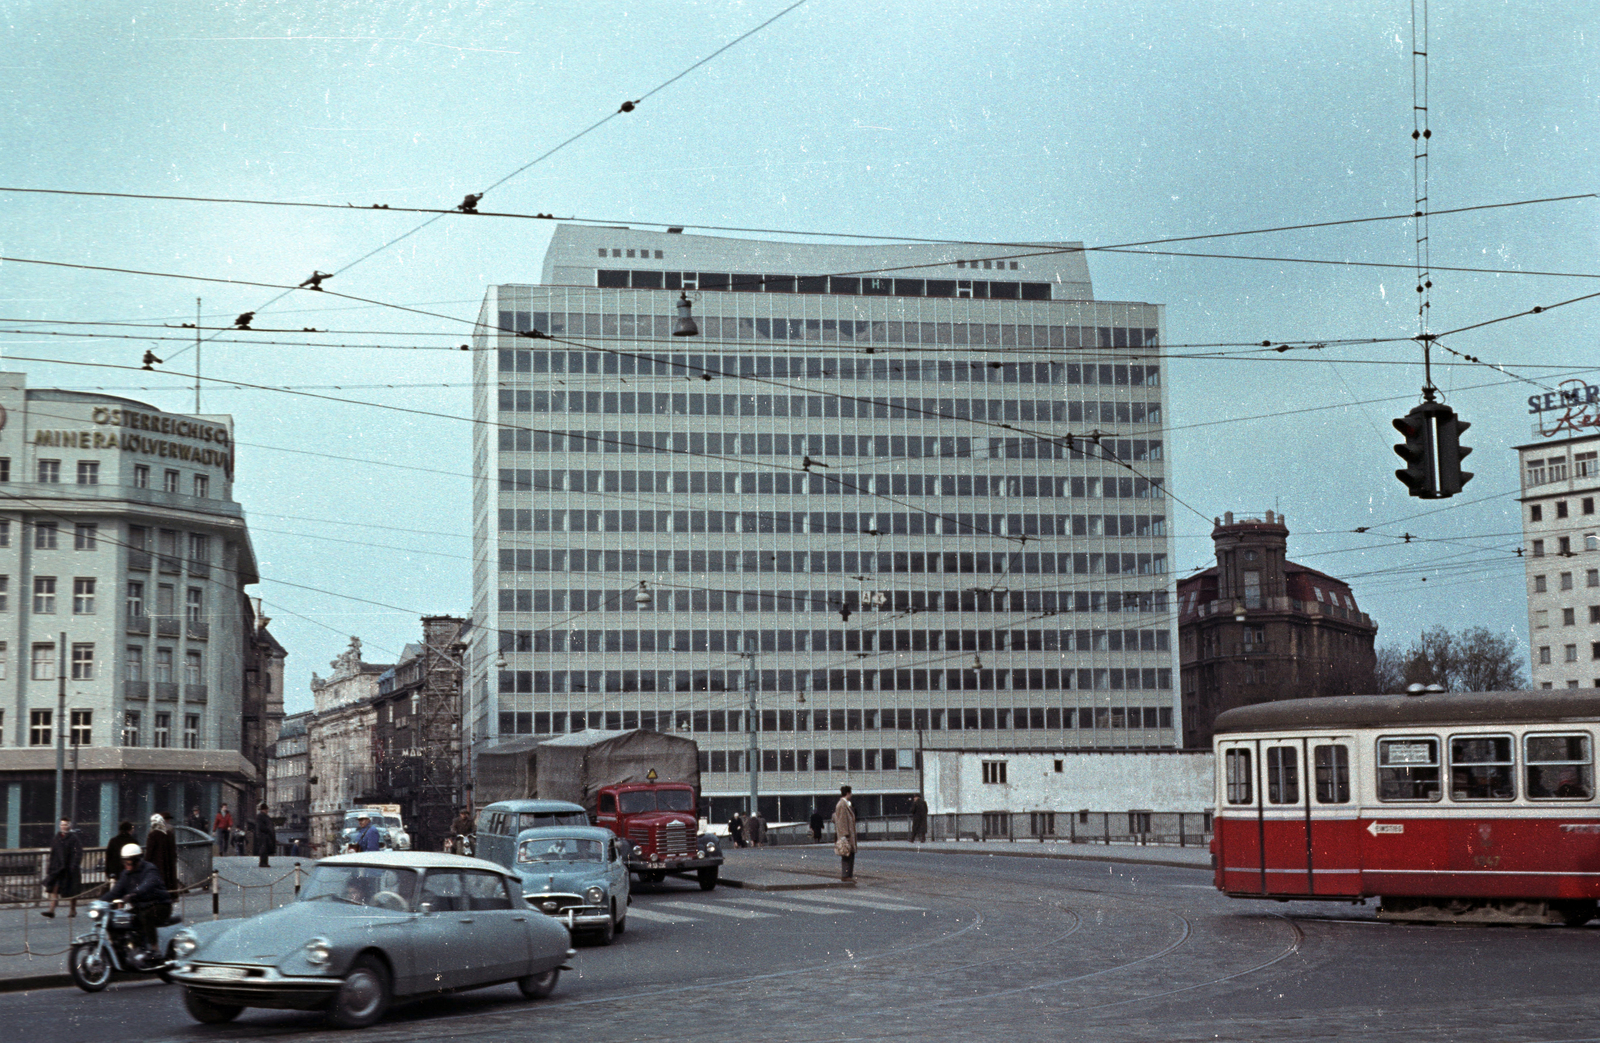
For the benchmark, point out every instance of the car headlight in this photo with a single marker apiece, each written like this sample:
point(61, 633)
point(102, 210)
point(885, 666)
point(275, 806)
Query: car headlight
point(184, 943)
point(318, 952)
point(711, 847)
point(596, 895)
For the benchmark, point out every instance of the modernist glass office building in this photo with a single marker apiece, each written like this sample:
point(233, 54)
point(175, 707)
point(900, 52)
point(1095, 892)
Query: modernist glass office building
point(888, 499)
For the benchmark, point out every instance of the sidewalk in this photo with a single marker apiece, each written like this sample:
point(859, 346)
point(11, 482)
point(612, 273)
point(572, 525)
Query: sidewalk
point(33, 949)
point(819, 859)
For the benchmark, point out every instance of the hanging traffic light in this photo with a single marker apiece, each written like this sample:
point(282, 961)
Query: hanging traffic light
point(1417, 452)
point(1432, 451)
point(1449, 453)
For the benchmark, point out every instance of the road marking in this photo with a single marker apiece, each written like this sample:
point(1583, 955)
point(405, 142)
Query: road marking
point(717, 910)
point(767, 903)
point(635, 913)
point(862, 902)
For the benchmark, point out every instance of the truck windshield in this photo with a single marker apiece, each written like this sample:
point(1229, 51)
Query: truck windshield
point(560, 849)
point(634, 801)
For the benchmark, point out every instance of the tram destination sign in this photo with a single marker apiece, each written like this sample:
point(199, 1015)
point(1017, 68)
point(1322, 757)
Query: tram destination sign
point(1573, 407)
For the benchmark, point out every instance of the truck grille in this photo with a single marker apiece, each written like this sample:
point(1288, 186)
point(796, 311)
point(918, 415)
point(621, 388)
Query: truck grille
point(675, 839)
point(671, 839)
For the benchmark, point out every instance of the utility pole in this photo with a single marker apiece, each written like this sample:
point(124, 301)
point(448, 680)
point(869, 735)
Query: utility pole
point(197, 355)
point(61, 715)
point(750, 726)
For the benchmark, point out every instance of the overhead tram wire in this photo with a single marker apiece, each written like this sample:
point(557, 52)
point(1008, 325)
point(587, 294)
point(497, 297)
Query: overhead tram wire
point(469, 205)
point(889, 239)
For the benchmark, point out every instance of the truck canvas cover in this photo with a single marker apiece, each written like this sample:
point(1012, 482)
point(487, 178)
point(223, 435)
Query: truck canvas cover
point(574, 767)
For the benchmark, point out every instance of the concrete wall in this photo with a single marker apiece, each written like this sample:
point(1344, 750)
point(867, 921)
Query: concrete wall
point(1144, 781)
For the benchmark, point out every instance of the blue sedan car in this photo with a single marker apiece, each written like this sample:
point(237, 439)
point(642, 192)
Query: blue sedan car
point(577, 874)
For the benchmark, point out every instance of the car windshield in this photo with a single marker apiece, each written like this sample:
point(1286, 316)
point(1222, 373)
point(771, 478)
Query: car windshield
point(631, 802)
point(378, 887)
point(353, 821)
point(560, 849)
point(535, 819)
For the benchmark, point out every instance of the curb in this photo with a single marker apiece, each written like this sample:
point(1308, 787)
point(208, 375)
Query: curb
point(807, 886)
point(41, 981)
point(1168, 863)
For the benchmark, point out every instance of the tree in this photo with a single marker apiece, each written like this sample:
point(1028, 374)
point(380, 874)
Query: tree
point(1389, 673)
point(1474, 660)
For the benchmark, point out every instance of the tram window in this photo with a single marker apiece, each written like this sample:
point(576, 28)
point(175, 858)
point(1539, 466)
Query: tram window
point(1333, 774)
point(1237, 774)
point(1559, 767)
point(1481, 767)
point(1283, 775)
point(1408, 768)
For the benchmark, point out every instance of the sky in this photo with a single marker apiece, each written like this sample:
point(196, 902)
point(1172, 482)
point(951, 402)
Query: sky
point(1106, 123)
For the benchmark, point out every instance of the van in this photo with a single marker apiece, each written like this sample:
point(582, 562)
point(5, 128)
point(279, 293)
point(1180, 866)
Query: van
point(501, 822)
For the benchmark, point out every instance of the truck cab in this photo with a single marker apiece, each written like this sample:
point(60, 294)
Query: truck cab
point(658, 821)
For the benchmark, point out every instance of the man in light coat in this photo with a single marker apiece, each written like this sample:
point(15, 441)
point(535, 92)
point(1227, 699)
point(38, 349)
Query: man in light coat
point(844, 830)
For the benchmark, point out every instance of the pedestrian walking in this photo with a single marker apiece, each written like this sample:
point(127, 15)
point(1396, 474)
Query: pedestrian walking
point(460, 830)
point(919, 820)
point(844, 831)
point(196, 821)
point(817, 822)
point(161, 849)
point(123, 838)
point(222, 830)
point(266, 835)
point(755, 829)
point(63, 873)
point(736, 830)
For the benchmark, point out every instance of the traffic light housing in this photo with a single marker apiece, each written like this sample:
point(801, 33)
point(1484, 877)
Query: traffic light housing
point(1432, 451)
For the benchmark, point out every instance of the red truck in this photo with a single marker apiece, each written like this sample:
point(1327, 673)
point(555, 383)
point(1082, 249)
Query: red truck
point(643, 786)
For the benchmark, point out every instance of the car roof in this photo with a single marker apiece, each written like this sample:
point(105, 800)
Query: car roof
point(413, 860)
point(534, 805)
point(574, 832)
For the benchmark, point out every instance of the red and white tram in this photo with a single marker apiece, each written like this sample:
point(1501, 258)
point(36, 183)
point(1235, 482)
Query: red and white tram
point(1446, 806)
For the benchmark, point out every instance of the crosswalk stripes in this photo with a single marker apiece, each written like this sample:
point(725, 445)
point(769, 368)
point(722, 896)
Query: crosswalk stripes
point(793, 907)
point(865, 903)
point(635, 913)
point(719, 910)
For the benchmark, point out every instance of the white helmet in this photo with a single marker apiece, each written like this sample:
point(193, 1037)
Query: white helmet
point(132, 851)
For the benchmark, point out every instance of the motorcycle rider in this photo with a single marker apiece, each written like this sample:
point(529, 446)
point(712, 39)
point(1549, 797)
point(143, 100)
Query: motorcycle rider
point(142, 887)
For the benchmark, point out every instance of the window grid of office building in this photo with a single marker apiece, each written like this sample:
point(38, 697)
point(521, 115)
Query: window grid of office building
point(855, 510)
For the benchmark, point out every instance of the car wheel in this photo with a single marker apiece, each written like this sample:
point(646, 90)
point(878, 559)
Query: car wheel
point(622, 921)
point(653, 877)
point(538, 986)
point(206, 1012)
point(89, 968)
point(708, 878)
point(363, 997)
point(606, 934)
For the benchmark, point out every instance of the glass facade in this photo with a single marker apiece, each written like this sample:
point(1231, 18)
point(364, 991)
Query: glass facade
point(862, 524)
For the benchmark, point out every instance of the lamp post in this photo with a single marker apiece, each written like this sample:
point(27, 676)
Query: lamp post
point(61, 722)
point(752, 754)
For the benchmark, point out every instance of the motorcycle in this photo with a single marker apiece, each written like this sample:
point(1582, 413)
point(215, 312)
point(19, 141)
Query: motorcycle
point(112, 943)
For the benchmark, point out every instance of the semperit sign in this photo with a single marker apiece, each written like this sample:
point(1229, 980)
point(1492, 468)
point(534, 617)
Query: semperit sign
point(1574, 406)
point(142, 434)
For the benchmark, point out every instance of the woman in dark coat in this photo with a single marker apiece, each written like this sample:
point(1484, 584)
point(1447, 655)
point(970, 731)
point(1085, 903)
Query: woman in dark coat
point(161, 850)
point(123, 838)
point(64, 872)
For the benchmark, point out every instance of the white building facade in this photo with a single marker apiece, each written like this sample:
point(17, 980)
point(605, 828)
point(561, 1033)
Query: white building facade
point(123, 563)
point(851, 500)
point(1561, 546)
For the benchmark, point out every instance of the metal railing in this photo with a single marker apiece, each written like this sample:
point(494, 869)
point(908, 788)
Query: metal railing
point(1177, 829)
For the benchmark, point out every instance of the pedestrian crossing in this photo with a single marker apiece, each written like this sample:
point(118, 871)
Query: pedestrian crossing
point(762, 906)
